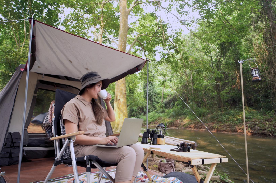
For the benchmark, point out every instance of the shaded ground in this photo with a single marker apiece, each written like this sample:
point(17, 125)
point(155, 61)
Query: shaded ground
point(38, 169)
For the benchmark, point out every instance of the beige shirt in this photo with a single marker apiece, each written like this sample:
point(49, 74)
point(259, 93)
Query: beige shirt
point(80, 112)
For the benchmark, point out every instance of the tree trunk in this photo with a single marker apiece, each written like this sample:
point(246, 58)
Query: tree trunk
point(218, 91)
point(163, 90)
point(120, 102)
point(102, 24)
point(192, 86)
point(218, 84)
point(162, 95)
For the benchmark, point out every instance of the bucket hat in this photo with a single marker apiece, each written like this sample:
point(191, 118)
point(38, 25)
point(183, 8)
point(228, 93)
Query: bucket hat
point(91, 78)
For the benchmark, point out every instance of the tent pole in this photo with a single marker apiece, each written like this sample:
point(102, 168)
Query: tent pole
point(244, 126)
point(25, 103)
point(147, 101)
point(147, 93)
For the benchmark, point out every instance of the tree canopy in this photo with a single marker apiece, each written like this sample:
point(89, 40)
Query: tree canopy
point(202, 65)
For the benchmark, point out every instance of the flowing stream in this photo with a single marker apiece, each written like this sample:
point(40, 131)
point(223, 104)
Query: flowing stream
point(261, 153)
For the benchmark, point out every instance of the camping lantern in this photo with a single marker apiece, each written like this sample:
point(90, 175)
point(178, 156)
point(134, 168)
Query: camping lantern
point(255, 74)
point(161, 138)
point(161, 128)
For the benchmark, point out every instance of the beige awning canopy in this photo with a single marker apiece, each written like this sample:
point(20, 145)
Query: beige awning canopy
point(56, 52)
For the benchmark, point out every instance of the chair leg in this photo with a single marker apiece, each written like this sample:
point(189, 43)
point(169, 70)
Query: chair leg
point(88, 176)
point(74, 161)
point(50, 173)
point(103, 171)
point(57, 159)
point(88, 171)
point(100, 176)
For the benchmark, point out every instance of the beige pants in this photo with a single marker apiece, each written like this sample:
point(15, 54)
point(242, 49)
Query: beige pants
point(129, 158)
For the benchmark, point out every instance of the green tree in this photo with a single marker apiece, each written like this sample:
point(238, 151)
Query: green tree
point(14, 31)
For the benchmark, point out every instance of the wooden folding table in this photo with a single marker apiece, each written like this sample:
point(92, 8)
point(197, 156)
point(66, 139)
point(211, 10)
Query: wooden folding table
point(192, 158)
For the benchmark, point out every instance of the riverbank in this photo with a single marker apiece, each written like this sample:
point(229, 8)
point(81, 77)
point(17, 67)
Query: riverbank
point(228, 121)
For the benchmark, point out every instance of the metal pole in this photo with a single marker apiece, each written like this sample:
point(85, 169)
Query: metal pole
point(147, 103)
point(25, 103)
point(244, 127)
point(147, 93)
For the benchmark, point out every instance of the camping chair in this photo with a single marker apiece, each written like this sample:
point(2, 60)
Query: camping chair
point(61, 156)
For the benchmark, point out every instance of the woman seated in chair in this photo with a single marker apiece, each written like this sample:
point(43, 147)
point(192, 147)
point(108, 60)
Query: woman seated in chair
point(84, 113)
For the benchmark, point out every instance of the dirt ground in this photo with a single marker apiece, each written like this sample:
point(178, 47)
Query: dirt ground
point(34, 128)
point(154, 160)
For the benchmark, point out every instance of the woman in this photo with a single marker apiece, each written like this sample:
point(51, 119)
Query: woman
point(83, 113)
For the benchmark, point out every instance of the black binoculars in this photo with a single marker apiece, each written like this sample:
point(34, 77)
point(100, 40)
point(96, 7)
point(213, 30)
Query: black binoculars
point(150, 134)
point(185, 147)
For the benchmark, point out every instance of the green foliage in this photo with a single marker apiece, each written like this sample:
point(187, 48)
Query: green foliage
point(43, 101)
point(224, 177)
point(14, 31)
point(10, 58)
point(90, 17)
point(135, 100)
point(201, 66)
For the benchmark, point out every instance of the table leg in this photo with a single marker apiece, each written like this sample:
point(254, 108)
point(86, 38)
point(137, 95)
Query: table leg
point(145, 158)
point(148, 175)
point(210, 173)
point(197, 176)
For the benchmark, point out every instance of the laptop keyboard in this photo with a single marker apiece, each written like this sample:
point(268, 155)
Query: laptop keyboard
point(111, 144)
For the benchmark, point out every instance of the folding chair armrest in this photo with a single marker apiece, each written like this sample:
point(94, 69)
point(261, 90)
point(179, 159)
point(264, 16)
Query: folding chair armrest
point(68, 135)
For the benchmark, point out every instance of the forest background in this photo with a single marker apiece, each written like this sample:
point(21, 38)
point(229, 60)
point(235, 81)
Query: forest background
point(197, 56)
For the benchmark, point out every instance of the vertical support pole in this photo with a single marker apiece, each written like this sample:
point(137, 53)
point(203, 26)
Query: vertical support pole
point(25, 103)
point(88, 172)
point(244, 127)
point(74, 163)
point(147, 93)
point(147, 102)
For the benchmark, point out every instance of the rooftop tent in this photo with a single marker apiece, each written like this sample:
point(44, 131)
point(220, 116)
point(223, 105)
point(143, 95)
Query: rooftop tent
point(58, 60)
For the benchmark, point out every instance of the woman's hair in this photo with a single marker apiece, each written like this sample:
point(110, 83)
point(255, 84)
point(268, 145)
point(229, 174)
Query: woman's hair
point(96, 106)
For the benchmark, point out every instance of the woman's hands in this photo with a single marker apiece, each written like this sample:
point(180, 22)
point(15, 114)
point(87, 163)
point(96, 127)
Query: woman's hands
point(110, 111)
point(110, 140)
point(108, 98)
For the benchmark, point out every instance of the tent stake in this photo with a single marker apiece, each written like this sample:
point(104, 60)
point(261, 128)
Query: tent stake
point(25, 103)
point(244, 126)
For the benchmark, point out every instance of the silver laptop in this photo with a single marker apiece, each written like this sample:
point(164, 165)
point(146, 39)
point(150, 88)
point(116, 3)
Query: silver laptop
point(129, 133)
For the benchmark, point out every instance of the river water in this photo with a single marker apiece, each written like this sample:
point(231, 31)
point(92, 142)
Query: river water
point(261, 153)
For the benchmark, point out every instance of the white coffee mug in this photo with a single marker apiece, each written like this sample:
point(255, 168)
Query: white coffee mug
point(103, 94)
